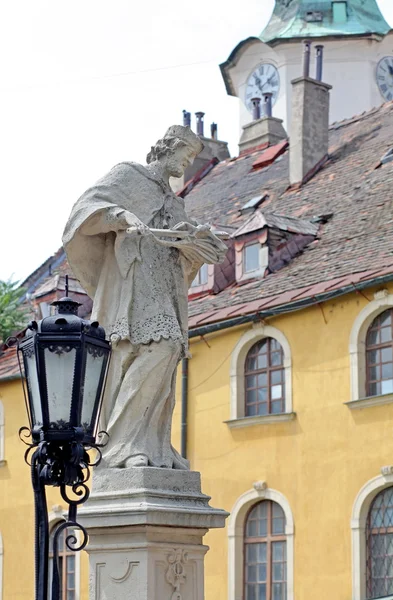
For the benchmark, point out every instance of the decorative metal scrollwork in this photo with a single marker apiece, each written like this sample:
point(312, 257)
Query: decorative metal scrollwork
point(59, 349)
point(95, 351)
point(66, 465)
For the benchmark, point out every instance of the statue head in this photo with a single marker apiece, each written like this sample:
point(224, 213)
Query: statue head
point(177, 149)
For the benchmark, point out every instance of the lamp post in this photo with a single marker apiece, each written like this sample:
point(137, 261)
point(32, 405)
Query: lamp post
point(63, 361)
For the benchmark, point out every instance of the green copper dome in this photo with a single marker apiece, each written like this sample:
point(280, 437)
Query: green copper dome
point(323, 18)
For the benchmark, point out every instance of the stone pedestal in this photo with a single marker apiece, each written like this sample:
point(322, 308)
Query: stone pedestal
point(145, 529)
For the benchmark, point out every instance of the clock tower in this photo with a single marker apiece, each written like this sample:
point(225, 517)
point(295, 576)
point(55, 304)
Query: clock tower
point(358, 57)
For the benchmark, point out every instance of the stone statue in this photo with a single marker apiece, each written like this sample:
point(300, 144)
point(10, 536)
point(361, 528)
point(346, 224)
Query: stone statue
point(119, 245)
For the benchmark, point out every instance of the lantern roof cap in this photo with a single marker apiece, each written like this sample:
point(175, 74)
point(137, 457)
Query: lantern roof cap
point(67, 306)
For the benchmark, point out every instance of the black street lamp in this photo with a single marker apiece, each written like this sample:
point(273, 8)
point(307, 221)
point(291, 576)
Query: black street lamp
point(64, 361)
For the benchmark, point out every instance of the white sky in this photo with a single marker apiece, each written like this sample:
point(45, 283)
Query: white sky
point(88, 83)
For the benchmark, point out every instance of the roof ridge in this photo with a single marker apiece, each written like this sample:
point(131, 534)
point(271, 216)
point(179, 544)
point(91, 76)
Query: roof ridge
point(359, 117)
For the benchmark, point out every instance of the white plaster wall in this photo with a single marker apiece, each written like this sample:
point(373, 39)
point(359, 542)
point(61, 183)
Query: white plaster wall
point(349, 66)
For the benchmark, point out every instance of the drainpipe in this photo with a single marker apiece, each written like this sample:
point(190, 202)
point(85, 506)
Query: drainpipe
point(184, 407)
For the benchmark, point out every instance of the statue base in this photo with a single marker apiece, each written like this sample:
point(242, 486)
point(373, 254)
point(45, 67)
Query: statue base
point(146, 527)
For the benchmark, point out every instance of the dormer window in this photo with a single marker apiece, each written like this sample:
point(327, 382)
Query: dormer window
point(202, 277)
point(266, 242)
point(251, 257)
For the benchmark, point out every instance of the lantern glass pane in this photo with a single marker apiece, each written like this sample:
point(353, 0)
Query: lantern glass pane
point(32, 384)
point(95, 362)
point(59, 367)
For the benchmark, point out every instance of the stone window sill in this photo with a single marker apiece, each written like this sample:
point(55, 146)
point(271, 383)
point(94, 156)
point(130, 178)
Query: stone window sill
point(260, 420)
point(370, 401)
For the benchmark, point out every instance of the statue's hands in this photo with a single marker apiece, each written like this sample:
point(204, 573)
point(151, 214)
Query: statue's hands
point(129, 222)
point(199, 231)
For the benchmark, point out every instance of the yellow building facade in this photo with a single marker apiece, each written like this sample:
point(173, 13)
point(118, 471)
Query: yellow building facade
point(324, 464)
point(316, 465)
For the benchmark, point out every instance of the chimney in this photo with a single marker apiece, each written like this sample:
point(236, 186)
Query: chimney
point(186, 118)
point(265, 130)
point(200, 124)
point(309, 139)
point(214, 151)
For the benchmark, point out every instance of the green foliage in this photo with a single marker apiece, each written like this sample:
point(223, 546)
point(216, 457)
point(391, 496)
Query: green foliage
point(12, 315)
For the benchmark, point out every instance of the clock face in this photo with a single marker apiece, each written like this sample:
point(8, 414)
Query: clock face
point(264, 78)
point(385, 77)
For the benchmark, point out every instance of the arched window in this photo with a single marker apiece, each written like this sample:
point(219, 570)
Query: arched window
point(370, 348)
point(379, 544)
point(379, 355)
point(261, 378)
point(68, 568)
point(265, 573)
point(265, 379)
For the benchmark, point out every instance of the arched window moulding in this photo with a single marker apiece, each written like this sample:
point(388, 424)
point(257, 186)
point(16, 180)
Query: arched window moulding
point(357, 352)
point(236, 522)
point(360, 511)
point(237, 394)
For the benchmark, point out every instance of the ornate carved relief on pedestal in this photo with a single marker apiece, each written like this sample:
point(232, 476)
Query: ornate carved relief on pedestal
point(111, 574)
point(176, 573)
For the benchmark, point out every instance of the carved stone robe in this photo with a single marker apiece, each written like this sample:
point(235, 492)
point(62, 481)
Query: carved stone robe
point(139, 288)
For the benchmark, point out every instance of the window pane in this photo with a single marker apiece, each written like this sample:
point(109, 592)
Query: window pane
point(263, 527)
point(262, 361)
point(278, 591)
point(278, 526)
point(262, 592)
point(252, 410)
point(373, 357)
point(252, 574)
point(252, 528)
point(387, 371)
point(251, 396)
point(276, 376)
point(277, 407)
point(387, 386)
point(262, 380)
point(374, 389)
point(251, 257)
point(373, 337)
point(276, 391)
point(278, 551)
point(276, 359)
point(251, 552)
point(251, 381)
point(251, 592)
point(374, 373)
point(277, 511)
point(262, 553)
point(387, 354)
point(386, 334)
point(251, 363)
point(262, 572)
point(386, 318)
point(278, 571)
point(262, 409)
point(262, 395)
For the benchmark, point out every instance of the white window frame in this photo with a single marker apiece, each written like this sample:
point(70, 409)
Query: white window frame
point(360, 511)
point(236, 537)
point(57, 515)
point(357, 352)
point(238, 361)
